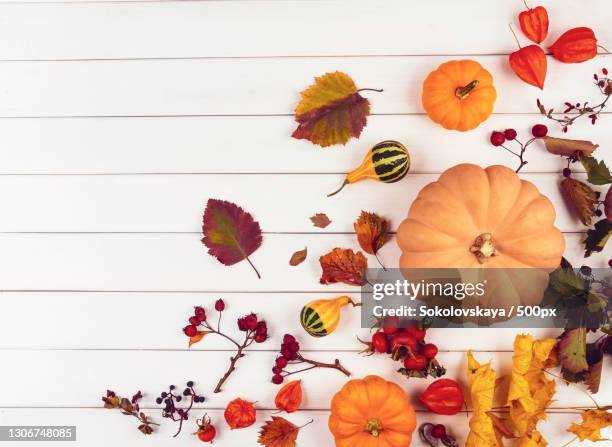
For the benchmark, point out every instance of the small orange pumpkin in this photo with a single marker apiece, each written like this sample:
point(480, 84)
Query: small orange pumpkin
point(459, 95)
point(371, 412)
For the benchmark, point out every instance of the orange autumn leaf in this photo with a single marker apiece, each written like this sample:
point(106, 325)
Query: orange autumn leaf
point(534, 23)
point(372, 232)
point(197, 337)
point(343, 265)
point(289, 397)
point(581, 199)
point(239, 413)
point(593, 421)
point(529, 64)
point(278, 432)
point(298, 257)
point(331, 111)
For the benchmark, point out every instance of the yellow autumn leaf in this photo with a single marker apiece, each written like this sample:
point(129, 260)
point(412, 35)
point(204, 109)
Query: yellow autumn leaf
point(592, 423)
point(530, 391)
point(533, 439)
point(481, 380)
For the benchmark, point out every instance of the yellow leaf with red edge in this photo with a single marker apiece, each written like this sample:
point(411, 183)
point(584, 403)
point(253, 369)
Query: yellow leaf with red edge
point(593, 421)
point(481, 380)
point(278, 432)
point(197, 337)
point(331, 111)
point(343, 265)
point(372, 232)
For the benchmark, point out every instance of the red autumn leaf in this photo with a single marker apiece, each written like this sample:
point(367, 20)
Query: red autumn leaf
point(289, 397)
point(372, 232)
point(534, 23)
point(239, 413)
point(278, 432)
point(575, 45)
point(298, 257)
point(230, 233)
point(197, 337)
point(343, 265)
point(529, 64)
point(320, 220)
point(331, 110)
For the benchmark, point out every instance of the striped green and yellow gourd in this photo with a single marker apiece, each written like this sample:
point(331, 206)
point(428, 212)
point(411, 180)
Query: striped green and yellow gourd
point(388, 162)
point(321, 317)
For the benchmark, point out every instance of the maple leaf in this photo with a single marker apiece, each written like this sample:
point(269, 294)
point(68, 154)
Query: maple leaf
point(567, 148)
point(592, 423)
point(481, 380)
point(320, 220)
point(597, 171)
point(597, 237)
point(230, 233)
point(278, 432)
point(572, 350)
point(331, 110)
point(298, 257)
point(581, 198)
point(372, 232)
point(343, 265)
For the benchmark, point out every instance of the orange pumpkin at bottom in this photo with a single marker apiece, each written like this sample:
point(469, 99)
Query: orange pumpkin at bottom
point(371, 412)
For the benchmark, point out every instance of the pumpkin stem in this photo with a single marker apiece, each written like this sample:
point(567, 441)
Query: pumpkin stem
point(483, 248)
point(464, 92)
point(374, 427)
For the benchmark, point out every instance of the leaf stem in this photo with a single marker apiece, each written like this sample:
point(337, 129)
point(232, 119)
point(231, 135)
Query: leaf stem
point(572, 383)
point(379, 90)
point(379, 261)
point(254, 268)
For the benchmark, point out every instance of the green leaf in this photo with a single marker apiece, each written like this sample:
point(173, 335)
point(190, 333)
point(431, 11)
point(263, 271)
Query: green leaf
point(597, 171)
point(572, 350)
point(597, 237)
point(567, 282)
point(596, 302)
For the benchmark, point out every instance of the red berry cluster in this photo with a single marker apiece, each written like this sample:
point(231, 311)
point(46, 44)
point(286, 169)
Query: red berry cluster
point(499, 138)
point(406, 344)
point(256, 331)
point(290, 355)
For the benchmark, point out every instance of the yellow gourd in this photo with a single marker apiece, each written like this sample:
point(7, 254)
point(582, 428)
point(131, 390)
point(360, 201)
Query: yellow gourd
point(321, 317)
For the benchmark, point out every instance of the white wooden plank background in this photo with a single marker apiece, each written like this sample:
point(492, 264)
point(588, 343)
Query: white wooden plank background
point(118, 120)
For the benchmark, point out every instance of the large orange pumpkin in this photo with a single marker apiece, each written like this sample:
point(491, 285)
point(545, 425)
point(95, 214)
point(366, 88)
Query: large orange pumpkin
point(488, 219)
point(459, 95)
point(371, 412)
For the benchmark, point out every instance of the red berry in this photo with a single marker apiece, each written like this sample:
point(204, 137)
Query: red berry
point(294, 347)
point(219, 305)
point(281, 362)
point(416, 332)
point(604, 71)
point(277, 369)
point(438, 431)
point(429, 351)
point(610, 263)
point(206, 433)
point(200, 313)
point(194, 320)
point(380, 342)
point(417, 362)
point(567, 172)
point(288, 339)
point(510, 134)
point(190, 331)
point(260, 338)
point(390, 325)
point(242, 324)
point(250, 322)
point(261, 328)
point(497, 138)
point(539, 130)
point(277, 379)
point(285, 352)
point(403, 339)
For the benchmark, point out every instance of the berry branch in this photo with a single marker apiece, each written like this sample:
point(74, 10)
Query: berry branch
point(170, 399)
point(129, 408)
point(255, 331)
point(604, 84)
point(499, 138)
point(290, 355)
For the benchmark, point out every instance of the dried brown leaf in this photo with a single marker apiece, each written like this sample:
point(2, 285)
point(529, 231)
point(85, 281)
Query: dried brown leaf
point(566, 147)
point(320, 220)
point(372, 232)
point(298, 257)
point(343, 265)
point(581, 198)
